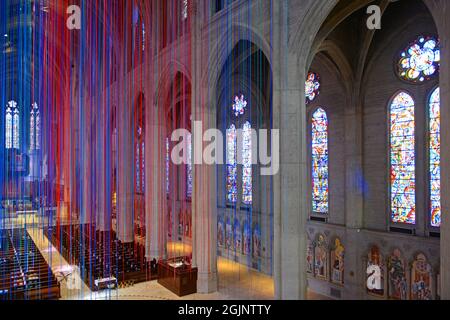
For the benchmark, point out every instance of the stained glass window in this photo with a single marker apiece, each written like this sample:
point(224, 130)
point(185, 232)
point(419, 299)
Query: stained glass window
point(8, 133)
point(247, 163)
point(143, 165)
point(143, 36)
point(239, 105)
point(184, 10)
point(420, 61)
point(32, 129)
point(231, 164)
point(16, 128)
point(35, 127)
point(138, 165)
point(189, 167)
point(167, 165)
point(320, 161)
point(12, 126)
point(402, 155)
point(38, 129)
point(312, 87)
point(238, 109)
point(435, 159)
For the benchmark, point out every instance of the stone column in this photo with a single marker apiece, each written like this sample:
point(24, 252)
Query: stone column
point(103, 174)
point(155, 191)
point(353, 197)
point(204, 209)
point(204, 197)
point(354, 267)
point(125, 170)
point(86, 179)
point(353, 168)
point(441, 12)
point(155, 151)
point(290, 185)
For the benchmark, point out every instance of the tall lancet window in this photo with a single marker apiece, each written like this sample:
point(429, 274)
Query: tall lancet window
point(32, 130)
point(143, 164)
point(8, 126)
point(140, 161)
point(35, 127)
point(320, 162)
point(12, 134)
point(184, 9)
point(247, 163)
point(138, 166)
point(143, 36)
point(167, 166)
point(231, 164)
point(238, 109)
point(402, 159)
point(435, 158)
point(189, 167)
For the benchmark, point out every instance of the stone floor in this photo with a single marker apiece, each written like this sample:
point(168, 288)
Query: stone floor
point(236, 282)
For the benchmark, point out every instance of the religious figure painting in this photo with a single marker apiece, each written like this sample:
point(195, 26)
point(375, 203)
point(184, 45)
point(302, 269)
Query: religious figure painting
point(398, 286)
point(337, 262)
point(256, 241)
point(421, 277)
point(309, 257)
point(320, 258)
point(180, 223)
point(188, 223)
point(170, 223)
point(247, 239)
point(375, 272)
point(237, 236)
point(220, 232)
point(228, 234)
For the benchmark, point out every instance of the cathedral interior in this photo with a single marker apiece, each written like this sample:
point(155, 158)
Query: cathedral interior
point(224, 149)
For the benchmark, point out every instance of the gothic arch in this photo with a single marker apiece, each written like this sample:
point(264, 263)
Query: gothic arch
point(166, 79)
point(335, 58)
point(222, 50)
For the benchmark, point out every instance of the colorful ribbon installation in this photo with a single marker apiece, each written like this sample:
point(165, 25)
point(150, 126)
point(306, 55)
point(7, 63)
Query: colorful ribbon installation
point(85, 140)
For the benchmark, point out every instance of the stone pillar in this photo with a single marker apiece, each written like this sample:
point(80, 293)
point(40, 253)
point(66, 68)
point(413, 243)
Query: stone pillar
point(290, 185)
point(68, 141)
point(353, 197)
point(354, 267)
point(86, 179)
point(155, 191)
point(353, 168)
point(125, 171)
point(441, 11)
point(103, 174)
point(204, 209)
point(155, 151)
point(204, 196)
